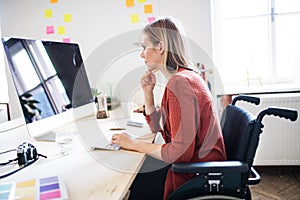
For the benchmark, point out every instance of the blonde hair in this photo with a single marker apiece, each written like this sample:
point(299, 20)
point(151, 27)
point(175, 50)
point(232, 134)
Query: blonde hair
point(164, 30)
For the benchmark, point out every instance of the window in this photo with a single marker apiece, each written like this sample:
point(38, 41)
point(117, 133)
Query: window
point(257, 44)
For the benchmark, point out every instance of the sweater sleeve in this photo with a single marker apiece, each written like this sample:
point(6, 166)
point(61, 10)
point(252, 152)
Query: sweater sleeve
point(182, 122)
point(153, 121)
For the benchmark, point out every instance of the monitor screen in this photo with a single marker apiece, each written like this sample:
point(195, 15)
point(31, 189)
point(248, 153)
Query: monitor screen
point(50, 80)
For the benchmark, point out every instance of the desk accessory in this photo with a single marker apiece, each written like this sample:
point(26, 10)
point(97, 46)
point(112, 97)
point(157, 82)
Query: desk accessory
point(26, 155)
point(45, 188)
point(131, 122)
point(102, 107)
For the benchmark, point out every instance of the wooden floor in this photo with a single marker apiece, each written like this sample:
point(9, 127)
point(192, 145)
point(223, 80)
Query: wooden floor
point(277, 183)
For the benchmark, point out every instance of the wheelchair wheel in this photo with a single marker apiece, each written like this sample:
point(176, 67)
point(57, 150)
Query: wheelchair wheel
point(248, 193)
point(215, 197)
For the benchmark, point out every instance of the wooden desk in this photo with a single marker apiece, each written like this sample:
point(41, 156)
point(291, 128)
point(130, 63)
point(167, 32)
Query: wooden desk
point(88, 174)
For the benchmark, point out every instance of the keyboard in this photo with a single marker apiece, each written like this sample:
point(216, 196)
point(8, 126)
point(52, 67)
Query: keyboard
point(113, 147)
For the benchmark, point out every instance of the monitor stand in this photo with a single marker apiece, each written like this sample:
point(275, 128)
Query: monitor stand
point(48, 136)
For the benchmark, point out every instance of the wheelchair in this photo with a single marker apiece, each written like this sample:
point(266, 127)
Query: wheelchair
point(230, 179)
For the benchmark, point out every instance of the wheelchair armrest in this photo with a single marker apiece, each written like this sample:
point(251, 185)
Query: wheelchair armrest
point(255, 177)
point(214, 167)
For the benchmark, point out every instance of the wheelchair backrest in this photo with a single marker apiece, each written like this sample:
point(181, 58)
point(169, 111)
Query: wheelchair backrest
point(236, 126)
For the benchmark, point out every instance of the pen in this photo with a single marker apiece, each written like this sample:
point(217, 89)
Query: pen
point(116, 129)
point(152, 71)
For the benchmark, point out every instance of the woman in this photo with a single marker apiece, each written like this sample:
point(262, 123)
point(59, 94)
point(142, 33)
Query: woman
point(186, 118)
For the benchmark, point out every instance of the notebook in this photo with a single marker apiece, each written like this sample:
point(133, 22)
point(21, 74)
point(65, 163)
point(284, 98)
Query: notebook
point(45, 188)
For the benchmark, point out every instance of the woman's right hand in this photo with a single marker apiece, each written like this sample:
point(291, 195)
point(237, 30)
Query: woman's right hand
point(148, 82)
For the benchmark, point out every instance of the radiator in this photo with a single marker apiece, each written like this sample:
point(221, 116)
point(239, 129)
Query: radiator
point(280, 139)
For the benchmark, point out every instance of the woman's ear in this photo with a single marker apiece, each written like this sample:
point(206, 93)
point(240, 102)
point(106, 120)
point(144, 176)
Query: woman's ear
point(161, 47)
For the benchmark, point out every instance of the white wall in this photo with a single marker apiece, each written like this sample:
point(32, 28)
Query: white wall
point(195, 17)
point(3, 81)
point(95, 21)
point(105, 33)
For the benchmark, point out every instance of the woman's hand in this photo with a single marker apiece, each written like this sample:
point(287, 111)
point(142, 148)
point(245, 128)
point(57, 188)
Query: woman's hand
point(126, 142)
point(123, 140)
point(148, 82)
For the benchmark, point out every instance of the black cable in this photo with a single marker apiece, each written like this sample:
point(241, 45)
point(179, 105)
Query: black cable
point(9, 161)
point(7, 151)
point(42, 155)
point(26, 165)
point(10, 173)
point(26, 155)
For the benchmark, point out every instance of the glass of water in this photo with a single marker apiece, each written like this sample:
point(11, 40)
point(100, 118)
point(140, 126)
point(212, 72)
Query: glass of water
point(64, 142)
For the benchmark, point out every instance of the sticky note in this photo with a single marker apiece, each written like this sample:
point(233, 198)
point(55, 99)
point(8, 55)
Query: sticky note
point(49, 29)
point(26, 183)
point(135, 18)
point(5, 187)
point(53, 1)
point(52, 179)
point(141, 1)
point(54, 186)
point(61, 30)
point(67, 17)
point(43, 189)
point(4, 195)
point(151, 19)
point(26, 192)
point(66, 40)
point(48, 13)
point(148, 8)
point(129, 3)
point(50, 195)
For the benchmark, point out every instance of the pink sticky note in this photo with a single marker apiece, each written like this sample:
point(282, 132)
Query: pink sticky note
point(66, 40)
point(50, 195)
point(151, 19)
point(49, 29)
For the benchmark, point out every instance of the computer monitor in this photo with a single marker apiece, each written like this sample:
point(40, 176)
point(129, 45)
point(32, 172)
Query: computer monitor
point(51, 83)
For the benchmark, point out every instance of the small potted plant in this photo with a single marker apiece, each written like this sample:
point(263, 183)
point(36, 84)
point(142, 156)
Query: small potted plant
point(95, 93)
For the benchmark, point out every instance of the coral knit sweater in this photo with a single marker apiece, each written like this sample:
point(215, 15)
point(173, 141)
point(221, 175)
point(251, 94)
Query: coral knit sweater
point(188, 124)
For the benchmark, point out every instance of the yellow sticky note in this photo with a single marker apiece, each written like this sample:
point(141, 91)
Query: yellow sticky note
point(148, 8)
point(48, 13)
point(67, 17)
point(135, 18)
point(61, 30)
point(26, 193)
point(26, 183)
point(129, 3)
point(53, 1)
point(141, 1)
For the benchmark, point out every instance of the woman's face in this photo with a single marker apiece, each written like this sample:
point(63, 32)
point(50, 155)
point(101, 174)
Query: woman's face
point(152, 55)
